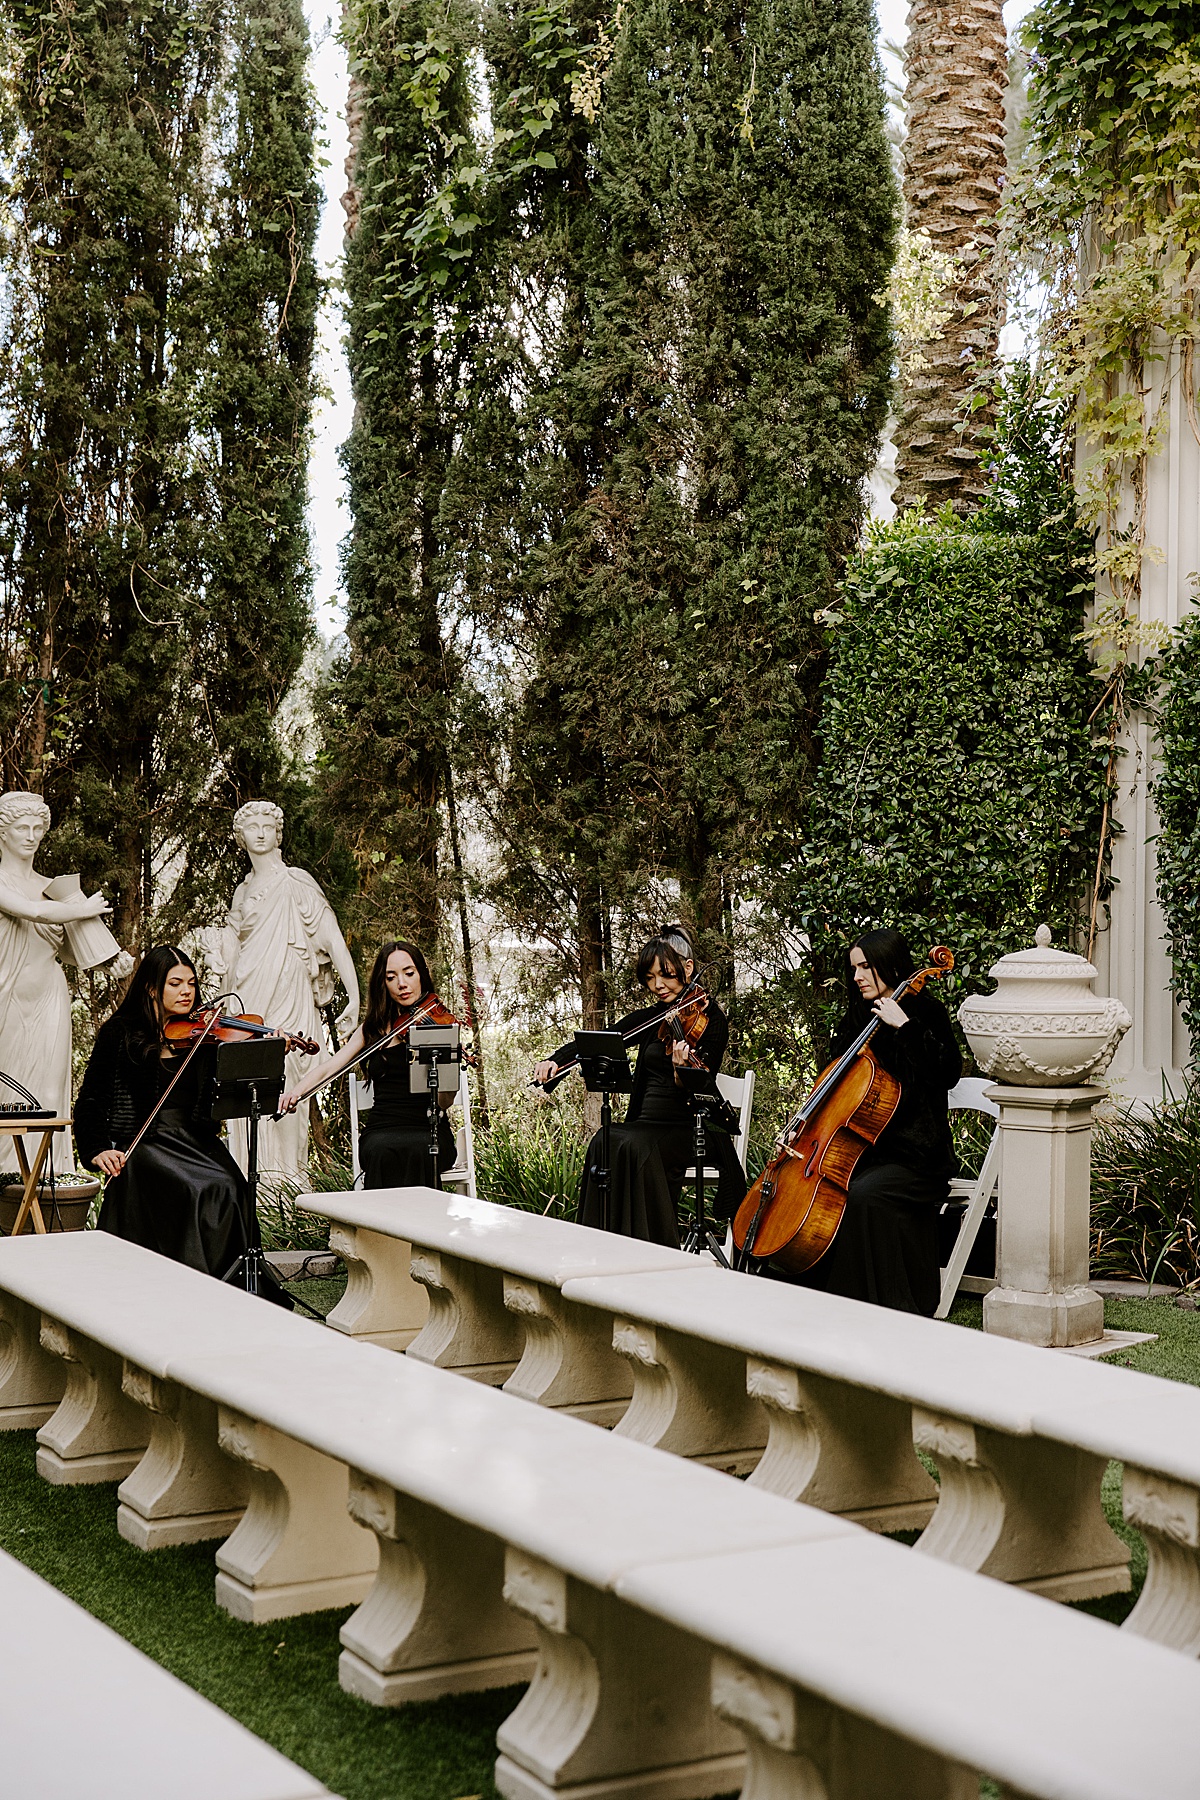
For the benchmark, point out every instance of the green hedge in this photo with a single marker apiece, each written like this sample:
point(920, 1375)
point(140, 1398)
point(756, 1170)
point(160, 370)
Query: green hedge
point(960, 789)
point(1177, 796)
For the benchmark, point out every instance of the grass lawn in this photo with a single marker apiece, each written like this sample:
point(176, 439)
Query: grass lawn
point(281, 1679)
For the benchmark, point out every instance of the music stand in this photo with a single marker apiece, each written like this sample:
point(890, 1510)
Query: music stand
point(436, 1068)
point(604, 1065)
point(249, 1084)
point(700, 1235)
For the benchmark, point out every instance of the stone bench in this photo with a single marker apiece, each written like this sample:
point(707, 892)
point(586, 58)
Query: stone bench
point(85, 1716)
point(1021, 1437)
point(724, 1366)
point(91, 1333)
point(510, 1534)
point(484, 1294)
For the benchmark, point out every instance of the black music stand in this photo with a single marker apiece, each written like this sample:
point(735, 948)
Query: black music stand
point(604, 1065)
point(437, 1051)
point(701, 1235)
point(249, 1085)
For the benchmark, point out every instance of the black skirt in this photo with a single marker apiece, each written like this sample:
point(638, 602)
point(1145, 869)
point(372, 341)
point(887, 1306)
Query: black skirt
point(646, 1171)
point(181, 1194)
point(886, 1248)
point(394, 1150)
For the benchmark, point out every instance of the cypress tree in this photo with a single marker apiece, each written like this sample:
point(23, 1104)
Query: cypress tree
point(705, 412)
point(414, 299)
point(122, 488)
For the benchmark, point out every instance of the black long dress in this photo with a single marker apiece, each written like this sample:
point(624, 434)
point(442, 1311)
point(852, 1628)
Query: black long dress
point(393, 1145)
point(886, 1248)
point(654, 1145)
point(180, 1193)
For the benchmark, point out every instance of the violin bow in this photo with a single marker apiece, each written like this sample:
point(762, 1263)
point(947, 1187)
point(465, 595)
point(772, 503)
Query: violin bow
point(670, 1011)
point(370, 1050)
point(148, 1121)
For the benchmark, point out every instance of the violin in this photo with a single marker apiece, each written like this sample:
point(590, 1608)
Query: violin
point(686, 1023)
point(792, 1212)
point(223, 1028)
point(429, 1011)
point(688, 1011)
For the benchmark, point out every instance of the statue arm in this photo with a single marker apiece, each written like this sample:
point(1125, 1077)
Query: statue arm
point(51, 912)
point(343, 962)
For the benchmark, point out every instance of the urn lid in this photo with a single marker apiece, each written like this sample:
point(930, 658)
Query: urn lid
point(1043, 963)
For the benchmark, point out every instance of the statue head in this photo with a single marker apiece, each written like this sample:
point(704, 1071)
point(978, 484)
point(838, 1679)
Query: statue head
point(24, 822)
point(258, 827)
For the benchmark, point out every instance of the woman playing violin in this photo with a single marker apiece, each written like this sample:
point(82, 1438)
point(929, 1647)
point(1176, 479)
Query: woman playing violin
point(393, 1145)
point(886, 1247)
point(653, 1147)
point(180, 1191)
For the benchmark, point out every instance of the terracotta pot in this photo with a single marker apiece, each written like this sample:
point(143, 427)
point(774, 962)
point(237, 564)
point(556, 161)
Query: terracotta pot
point(1043, 1027)
point(72, 1204)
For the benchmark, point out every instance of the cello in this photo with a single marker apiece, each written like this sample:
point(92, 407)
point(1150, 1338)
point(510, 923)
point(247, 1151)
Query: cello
point(792, 1212)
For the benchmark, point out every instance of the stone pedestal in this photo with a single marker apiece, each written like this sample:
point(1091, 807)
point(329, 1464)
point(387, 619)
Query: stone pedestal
point(1045, 1194)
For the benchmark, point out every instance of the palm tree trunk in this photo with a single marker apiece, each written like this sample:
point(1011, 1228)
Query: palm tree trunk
point(956, 69)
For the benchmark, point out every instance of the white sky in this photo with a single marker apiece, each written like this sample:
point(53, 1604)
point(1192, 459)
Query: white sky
point(328, 517)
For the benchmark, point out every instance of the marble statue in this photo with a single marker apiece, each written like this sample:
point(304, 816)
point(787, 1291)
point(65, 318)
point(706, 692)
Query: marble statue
point(280, 951)
point(35, 1006)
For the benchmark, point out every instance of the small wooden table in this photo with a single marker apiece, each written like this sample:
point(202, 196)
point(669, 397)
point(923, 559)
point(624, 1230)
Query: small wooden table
point(30, 1207)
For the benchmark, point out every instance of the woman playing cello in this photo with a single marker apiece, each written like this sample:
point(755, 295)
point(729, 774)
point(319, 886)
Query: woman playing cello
point(394, 1141)
point(886, 1247)
point(180, 1191)
point(653, 1148)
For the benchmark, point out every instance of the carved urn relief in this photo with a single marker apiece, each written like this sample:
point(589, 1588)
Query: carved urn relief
point(1044, 1026)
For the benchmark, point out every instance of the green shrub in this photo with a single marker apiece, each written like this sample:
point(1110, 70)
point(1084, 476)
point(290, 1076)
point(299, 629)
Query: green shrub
point(1177, 796)
point(534, 1163)
point(1146, 1192)
point(960, 790)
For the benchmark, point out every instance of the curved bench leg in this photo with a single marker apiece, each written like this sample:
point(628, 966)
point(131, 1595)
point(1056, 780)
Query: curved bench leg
point(296, 1549)
point(381, 1302)
point(98, 1433)
point(619, 1704)
point(689, 1397)
point(469, 1329)
point(1021, 1509)
point(31, 1380)
point(801, 1748)
point(569, 1360)
point(842, 1448)
point(434, 1622)
point(184, 1490)
point(1167, 1513)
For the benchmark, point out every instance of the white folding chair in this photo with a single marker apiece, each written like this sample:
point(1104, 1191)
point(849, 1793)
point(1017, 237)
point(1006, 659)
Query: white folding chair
point(977, 1191)
point(462, 1175)
point(739, 1091)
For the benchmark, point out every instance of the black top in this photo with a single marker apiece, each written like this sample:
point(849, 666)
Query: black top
point(121, 1087)
point(925, 1059)
point(659, 1099)
point(395, 1105)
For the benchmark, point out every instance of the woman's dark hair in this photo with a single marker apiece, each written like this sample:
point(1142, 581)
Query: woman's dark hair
point(670, 950)
point(888, 954)
point(382, 1013)
point(140, 1010)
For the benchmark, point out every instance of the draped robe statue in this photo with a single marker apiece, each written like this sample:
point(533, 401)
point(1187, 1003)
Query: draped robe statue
point(35, 1005)
point(279, 951)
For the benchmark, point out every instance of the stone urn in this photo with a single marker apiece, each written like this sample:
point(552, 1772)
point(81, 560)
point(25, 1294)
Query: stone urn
point(1044, 1026)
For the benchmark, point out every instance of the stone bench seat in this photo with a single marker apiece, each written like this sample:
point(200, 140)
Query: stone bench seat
point(1021, 1437)
point(821, 1398)
point(510, 1534)
point(487, 1303)
point(85, 1716)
